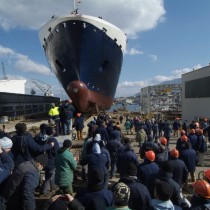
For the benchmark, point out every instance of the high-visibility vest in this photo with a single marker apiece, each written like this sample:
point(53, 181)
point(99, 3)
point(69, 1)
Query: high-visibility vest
point(54, 111)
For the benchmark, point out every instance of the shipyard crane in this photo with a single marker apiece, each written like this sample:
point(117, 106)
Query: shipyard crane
point(45, 88)
point(4, 72)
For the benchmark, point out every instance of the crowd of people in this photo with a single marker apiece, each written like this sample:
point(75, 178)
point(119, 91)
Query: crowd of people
point(153, 178)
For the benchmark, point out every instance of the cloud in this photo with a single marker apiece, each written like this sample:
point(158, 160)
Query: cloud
point(132, 16)
point(22, 62)
point(153, 57)
point(27, 65)
point(127, 88)
point(4, 51)
point(134, 51)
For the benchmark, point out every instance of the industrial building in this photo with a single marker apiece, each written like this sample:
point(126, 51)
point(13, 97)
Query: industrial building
point(196, 94)
point(163, 97)
point(14, 103)
point(12, 86)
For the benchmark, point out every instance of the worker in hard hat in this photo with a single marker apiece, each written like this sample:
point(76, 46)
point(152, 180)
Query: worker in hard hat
point(201, 197)
point(148, 170)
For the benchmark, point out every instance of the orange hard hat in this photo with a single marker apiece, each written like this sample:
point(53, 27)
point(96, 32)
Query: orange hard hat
point(78, 114)
point(202, 187)
point(163, 140)
point(192, 131)
point(184, 138)
point(182, 132)
point(206, 174)
point(174, 153)
point(150, 155)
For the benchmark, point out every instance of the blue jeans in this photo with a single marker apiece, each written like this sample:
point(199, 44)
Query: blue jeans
point(67, 127)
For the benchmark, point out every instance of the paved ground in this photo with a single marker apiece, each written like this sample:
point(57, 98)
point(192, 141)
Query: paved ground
point(187, 192)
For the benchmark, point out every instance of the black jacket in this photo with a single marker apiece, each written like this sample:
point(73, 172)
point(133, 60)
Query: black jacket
point(6, 166)
point(66, 112)
point(114, 147)
point(51, 152)
point(180, 172)
point(190, 159)
point(21, 187)
point(200, 203)
point(78, 123)
point(147, 172)
point(95, 200)
point(24, 147)
point(139, 194)
point(167, 177)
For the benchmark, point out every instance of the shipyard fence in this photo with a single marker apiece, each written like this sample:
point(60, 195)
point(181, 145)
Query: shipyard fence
point(20, 105)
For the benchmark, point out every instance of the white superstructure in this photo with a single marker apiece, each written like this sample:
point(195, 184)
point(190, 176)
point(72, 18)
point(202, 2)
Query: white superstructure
point(111, 30)
point(12, 86)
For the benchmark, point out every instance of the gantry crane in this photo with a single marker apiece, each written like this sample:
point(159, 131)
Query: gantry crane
point(45, 88)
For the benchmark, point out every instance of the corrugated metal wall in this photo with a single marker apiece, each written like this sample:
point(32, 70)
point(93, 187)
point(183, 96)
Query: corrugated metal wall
point(15, 105)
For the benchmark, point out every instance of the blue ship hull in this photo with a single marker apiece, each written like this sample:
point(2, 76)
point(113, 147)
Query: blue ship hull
point(85, 59)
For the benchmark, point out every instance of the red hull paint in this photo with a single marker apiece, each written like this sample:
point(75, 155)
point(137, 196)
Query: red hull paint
point(84, 99)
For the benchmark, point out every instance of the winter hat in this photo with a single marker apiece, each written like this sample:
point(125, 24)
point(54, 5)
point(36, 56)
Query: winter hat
point(121, 194)
point(97, 137)
point(96, 149)
point(131, 169)
point(6, 143)
point(163, 190)
point(67, 143)
point(42, 159)
point(167, 166)
point(95, 179)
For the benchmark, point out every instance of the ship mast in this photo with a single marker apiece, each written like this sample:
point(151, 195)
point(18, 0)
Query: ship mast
point(75, 7)
point(4, 72)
